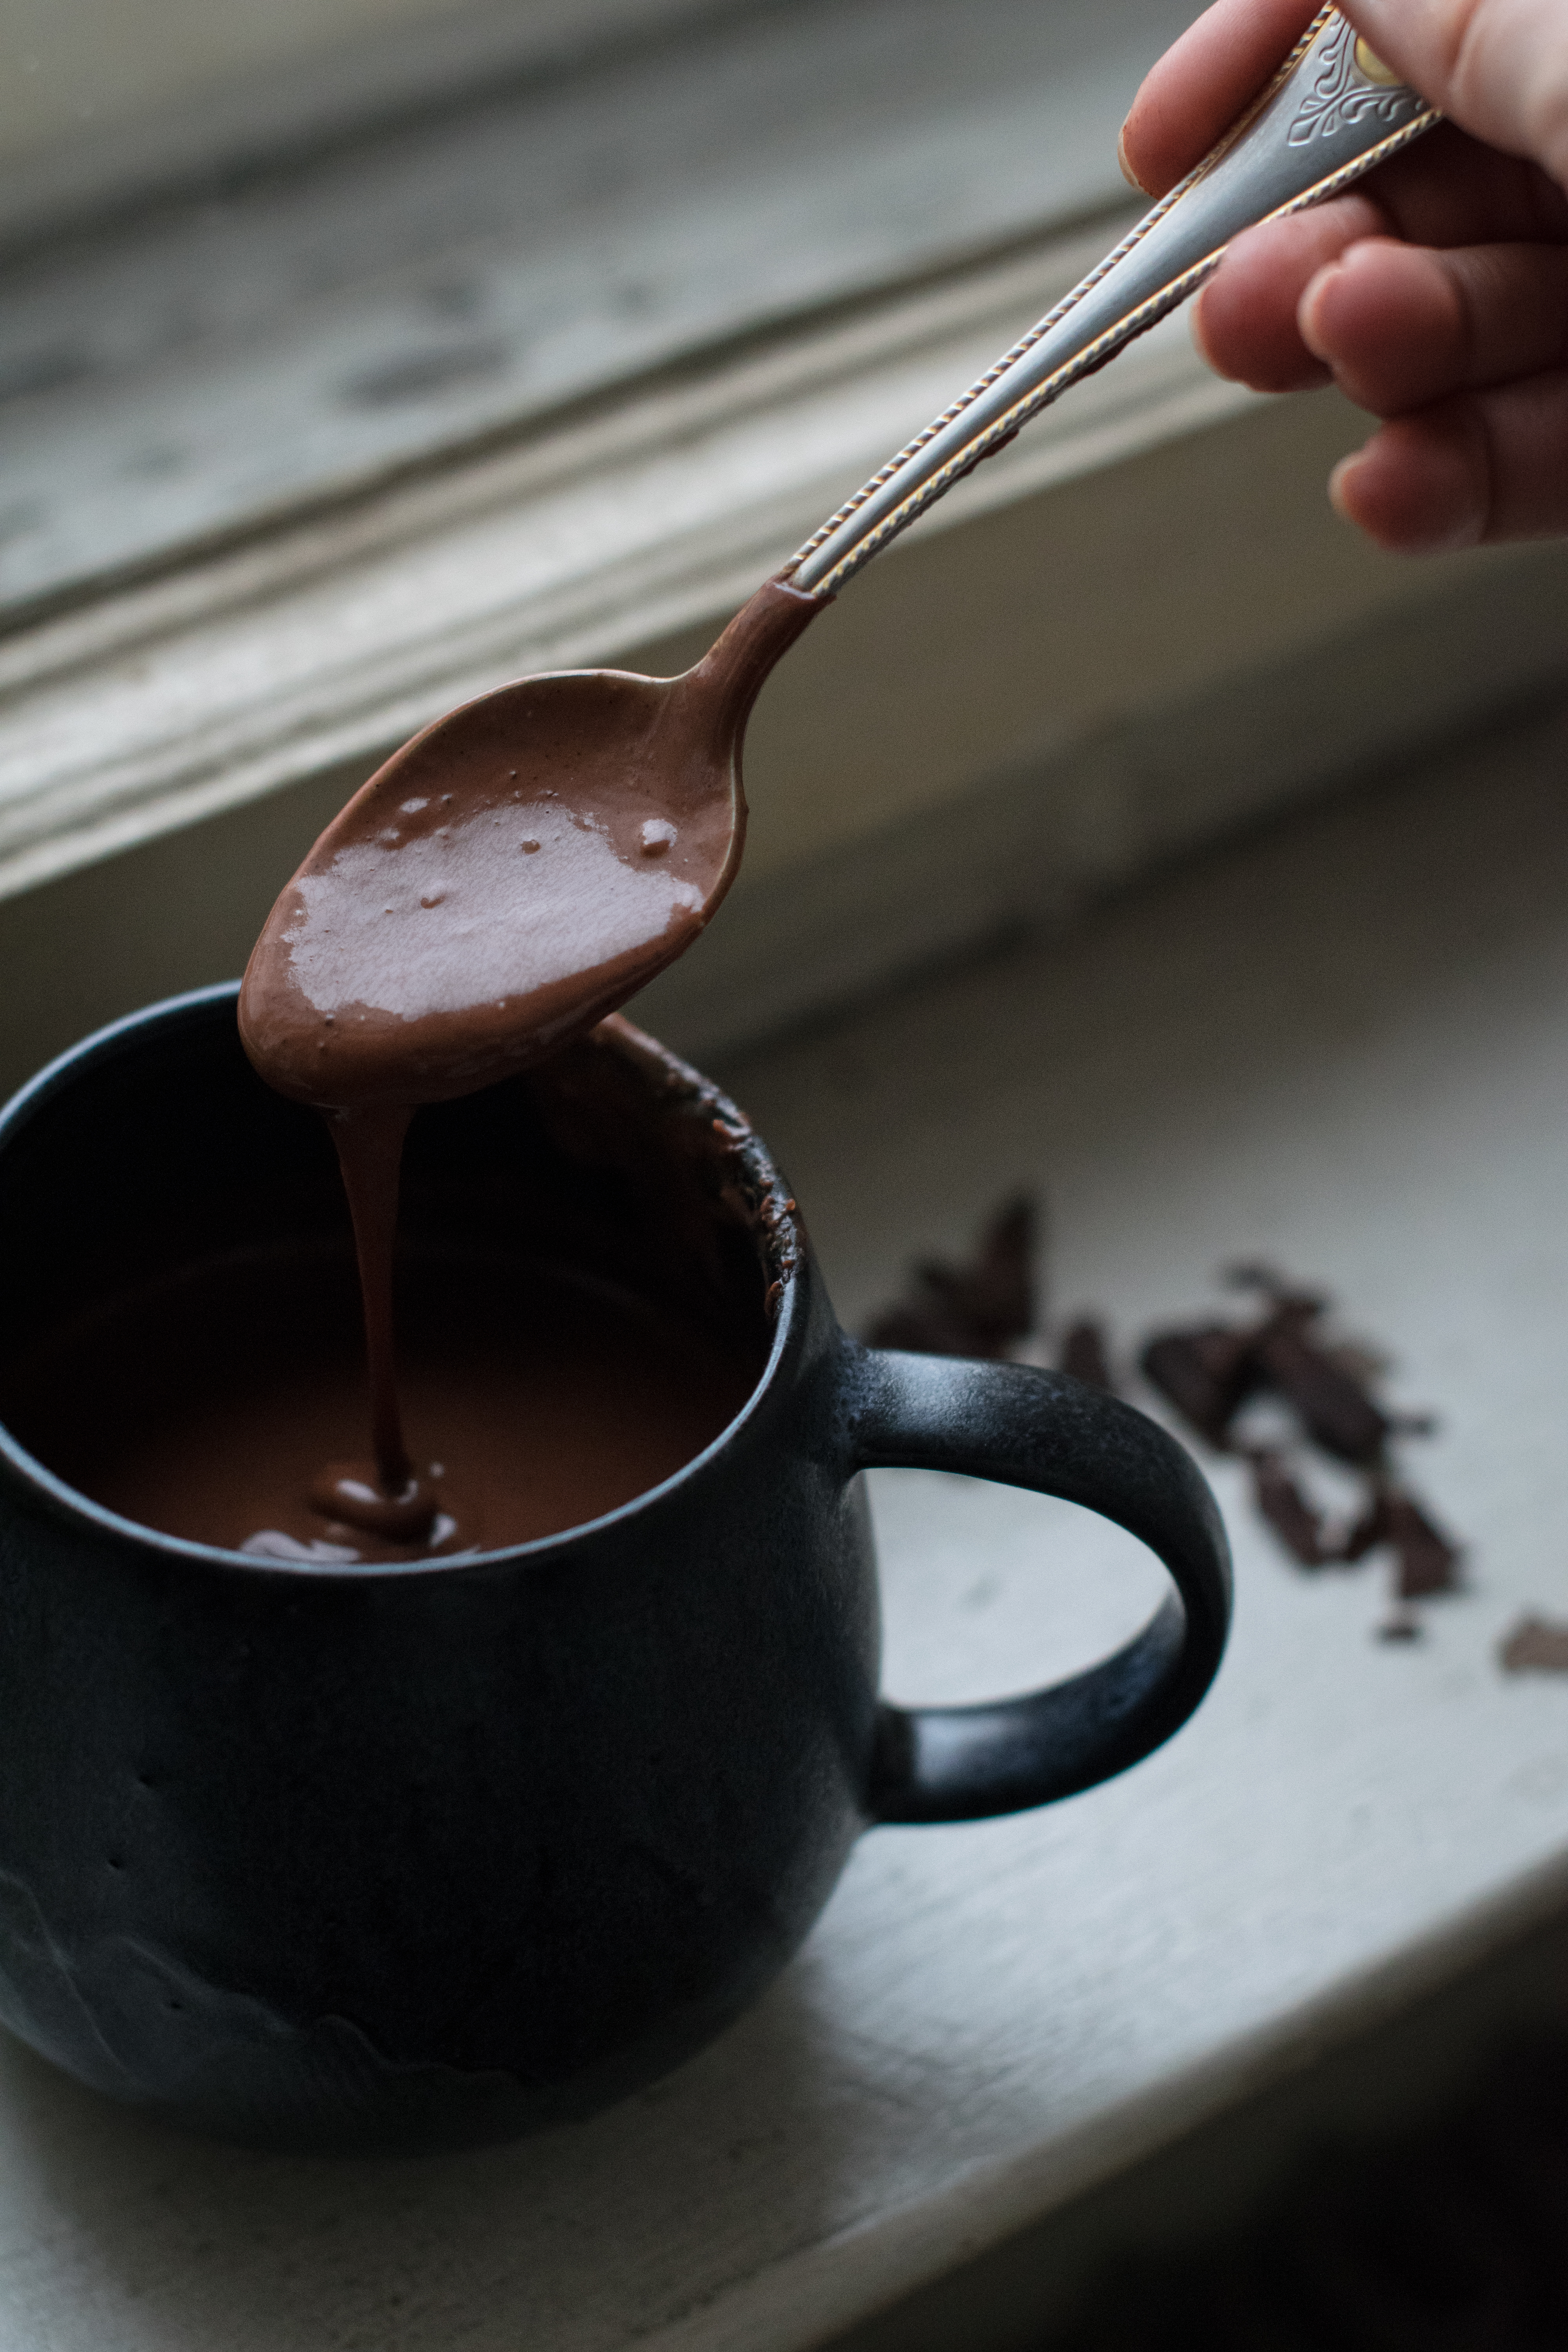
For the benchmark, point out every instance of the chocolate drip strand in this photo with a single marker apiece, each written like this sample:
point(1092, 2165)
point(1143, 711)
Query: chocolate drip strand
point(370, 1153)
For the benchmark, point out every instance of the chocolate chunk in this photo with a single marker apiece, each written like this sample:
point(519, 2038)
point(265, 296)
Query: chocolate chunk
point(1325, 1385)
point(924, 1328)
point(1535, 1646)
point(1429, 1562)
point(1334, 1407)
point(1206, 1373)
point(980, 1308)
point(1084, 1356)
point(1297, 1525)
point(1366, 1532)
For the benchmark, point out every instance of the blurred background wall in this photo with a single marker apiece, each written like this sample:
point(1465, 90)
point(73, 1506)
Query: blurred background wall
point(100, 93)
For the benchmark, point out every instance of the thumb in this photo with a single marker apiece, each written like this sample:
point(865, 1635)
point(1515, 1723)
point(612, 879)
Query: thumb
point(1496, 67)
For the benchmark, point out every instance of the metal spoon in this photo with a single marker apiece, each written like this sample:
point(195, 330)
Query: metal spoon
point(529, 861)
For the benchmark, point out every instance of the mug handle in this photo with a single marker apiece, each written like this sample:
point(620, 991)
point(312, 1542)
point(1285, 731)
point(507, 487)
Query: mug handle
point(1048, 1432)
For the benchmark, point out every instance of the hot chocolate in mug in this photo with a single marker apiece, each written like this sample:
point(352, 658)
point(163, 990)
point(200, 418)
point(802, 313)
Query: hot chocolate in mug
point(323, 1855)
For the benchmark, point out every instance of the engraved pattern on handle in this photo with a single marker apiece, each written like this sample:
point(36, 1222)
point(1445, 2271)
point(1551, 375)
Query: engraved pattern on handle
point(1339, 93)
point(1340, 100)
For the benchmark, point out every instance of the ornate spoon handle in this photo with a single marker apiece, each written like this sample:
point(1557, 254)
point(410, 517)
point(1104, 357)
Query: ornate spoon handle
point(1331, 111)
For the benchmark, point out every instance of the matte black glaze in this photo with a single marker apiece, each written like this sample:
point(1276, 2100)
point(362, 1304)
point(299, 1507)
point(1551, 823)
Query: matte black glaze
point(405, 1857)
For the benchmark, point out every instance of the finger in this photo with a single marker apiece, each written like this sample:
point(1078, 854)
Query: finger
point(1402, 328)
point(1481, 467)
point(1247, 322)
point(1202, 83)
point(1449, 190)
point(1499, 67)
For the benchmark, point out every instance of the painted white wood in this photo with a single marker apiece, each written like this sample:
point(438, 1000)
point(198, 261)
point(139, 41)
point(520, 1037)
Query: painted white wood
point(184, 370)
point(336, 638)
point(111, 97)
point(1342, 1045)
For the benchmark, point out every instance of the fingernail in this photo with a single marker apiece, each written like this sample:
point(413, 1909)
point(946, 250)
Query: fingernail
point(1340, 483)
point(1307, 311)
point(1128, 173)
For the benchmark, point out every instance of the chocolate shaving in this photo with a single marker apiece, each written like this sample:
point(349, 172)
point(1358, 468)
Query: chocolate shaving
point(1365, 1533)
point(981, 1308)
point(1425, 1561)
point(1293, 1518)
point(1358, 1361)
point(1206, 1373)
point(1535, 1646)
point(1334, 1409)
point(1209, 1370)
point(1429, 1562)
point(1084, 1355)
point(1325, 1386)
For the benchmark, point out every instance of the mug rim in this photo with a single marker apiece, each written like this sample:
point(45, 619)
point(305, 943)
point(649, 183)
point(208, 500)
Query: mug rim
point(783, 1241)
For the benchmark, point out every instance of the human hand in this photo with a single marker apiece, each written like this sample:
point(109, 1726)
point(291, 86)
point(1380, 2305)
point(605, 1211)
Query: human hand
point(1434, 293)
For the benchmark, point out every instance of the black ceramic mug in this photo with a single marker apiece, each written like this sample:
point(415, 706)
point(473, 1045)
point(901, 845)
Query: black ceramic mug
point(373, 1858)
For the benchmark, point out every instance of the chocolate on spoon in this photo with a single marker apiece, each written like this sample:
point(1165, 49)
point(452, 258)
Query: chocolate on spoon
point(511, 875)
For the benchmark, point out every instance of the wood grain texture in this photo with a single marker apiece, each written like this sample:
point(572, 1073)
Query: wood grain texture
point(115, 102)
point(181, 370)
point(332, 639)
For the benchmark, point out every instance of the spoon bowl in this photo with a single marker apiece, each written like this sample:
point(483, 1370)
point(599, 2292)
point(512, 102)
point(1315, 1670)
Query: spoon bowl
point(512, 875)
